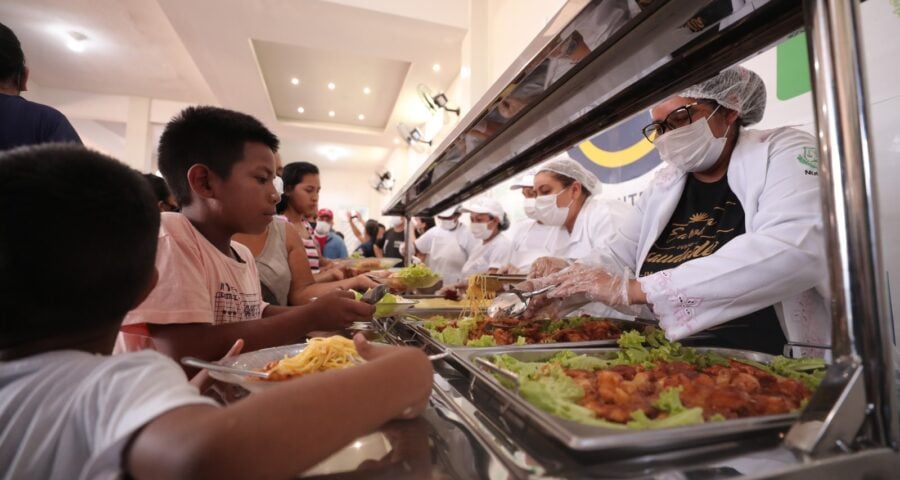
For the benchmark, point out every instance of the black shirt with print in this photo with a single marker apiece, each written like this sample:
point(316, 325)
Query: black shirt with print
point(707, 217)
point(393, 240)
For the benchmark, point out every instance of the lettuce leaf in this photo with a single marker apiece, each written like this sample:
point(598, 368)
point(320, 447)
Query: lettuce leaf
point(484, 341)
point(677, 415)
point(809, 371)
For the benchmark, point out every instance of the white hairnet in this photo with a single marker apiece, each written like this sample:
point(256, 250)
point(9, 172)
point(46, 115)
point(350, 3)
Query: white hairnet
point(570, 168)
point(485, 205)
point(449, 212)
point(525, 181)
point(736, 88)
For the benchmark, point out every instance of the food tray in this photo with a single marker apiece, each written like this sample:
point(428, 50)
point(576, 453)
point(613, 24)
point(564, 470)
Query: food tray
point(425, 336)
point(582, 437)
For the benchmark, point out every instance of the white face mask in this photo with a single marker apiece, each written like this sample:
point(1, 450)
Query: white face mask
point(322, 228)
point(448, 225)
point(546, 211)
point(692, 148)
point(279, 185)
point(480, 231)
point(528, 205)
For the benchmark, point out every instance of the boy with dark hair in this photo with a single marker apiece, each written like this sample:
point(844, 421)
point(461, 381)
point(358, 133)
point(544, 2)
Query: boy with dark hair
point(23, 122)
point(165, 201)
point(220, 164)
point(68, 410)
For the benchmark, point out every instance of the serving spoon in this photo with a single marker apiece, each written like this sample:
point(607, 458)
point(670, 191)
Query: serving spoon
point(514, 302)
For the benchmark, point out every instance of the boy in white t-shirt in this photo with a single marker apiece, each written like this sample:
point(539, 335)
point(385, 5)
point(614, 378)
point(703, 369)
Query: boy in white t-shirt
point(220, 165)
point(67, 410)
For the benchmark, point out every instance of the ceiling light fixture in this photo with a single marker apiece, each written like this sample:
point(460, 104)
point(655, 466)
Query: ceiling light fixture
point(331, 85)
point(300, 109)
point(331, 113)
point(465, 72)
point(436, 67)
point(361, 116)
point(396, 141)
point(76, 41)
point(367, 90)
point(295, 81)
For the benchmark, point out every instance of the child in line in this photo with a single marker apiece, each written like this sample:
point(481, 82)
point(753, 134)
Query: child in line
point(220, 165)
point(69, 410)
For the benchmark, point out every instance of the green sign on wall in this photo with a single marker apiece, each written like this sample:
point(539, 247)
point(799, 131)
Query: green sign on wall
point(792, 68)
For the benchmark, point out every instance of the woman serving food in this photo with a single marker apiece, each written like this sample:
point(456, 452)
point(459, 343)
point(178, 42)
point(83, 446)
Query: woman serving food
point(730, 233)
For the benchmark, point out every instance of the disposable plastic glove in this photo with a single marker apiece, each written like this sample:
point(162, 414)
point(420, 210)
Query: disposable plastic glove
point(595, 283)
point(547, 265)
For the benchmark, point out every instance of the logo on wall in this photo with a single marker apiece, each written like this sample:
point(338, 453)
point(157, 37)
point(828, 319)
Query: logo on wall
point(620, 154)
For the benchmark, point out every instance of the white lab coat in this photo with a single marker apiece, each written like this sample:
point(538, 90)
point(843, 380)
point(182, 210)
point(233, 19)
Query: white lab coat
point(780, 260)
point(599, 223)
point(447, 251)
point(532, 240)
point(493, 254)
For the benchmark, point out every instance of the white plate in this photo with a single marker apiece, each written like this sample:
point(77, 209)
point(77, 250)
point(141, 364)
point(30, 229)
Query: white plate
point(383, 262)
point(255, 360)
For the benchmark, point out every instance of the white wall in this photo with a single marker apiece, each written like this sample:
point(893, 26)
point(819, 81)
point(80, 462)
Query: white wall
point(512, 25)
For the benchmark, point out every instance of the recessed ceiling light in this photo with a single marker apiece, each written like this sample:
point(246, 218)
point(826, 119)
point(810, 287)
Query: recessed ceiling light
point(331, 85)
point(436, 67)
point(367, 90)
point(396, 141)
point(331, 113)
point(465, 72)
point(295, 81)
point(76, 41)
point(300, 109)
point(361, 116)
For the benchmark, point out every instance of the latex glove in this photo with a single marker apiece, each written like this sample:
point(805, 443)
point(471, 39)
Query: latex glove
point(547, 265)
point(595, 283)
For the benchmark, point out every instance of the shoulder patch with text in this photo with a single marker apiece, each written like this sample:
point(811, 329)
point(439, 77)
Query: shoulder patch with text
point(809, 158)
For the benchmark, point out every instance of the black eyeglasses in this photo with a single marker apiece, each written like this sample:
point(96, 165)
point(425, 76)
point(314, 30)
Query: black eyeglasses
point(677, 118)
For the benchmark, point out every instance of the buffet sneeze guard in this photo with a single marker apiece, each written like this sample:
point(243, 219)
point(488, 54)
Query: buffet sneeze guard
point(654, 52)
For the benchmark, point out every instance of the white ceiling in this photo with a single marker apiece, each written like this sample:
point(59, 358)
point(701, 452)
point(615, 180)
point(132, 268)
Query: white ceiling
point(202, 51)
point(315, 71)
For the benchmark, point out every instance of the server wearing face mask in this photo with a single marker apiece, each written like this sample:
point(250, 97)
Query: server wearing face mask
point(487, 220)
point(567, 200)
point(729, 234)
point(531, 238)
point(445, 248)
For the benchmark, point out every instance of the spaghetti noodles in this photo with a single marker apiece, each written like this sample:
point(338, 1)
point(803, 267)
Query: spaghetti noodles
point(480, 291)
point(320, 354)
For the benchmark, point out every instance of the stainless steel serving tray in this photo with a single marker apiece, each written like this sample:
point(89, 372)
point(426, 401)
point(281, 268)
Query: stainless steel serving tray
point(591, 438)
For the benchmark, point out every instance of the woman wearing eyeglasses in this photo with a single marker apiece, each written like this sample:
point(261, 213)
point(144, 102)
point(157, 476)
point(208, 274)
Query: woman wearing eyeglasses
point(729, 234)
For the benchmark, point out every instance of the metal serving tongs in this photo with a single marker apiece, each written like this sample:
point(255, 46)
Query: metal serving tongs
point(488, 365)
point(374, 294)
point(514, 302)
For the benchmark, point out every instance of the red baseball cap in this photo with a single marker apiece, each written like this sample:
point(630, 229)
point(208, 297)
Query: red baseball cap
point(325, 213)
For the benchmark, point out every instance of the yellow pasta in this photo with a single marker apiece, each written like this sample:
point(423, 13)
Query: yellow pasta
point(479, 293)
point(320, 354)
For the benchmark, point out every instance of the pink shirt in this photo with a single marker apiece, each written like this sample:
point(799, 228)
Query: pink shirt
point(197, 284)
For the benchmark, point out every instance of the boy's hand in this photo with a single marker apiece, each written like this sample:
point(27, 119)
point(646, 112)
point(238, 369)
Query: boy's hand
point(337, 310)
point(371, 352)
point(202, 380)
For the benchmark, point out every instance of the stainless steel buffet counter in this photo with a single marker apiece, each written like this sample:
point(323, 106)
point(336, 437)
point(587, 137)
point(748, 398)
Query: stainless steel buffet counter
point(466, 433)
